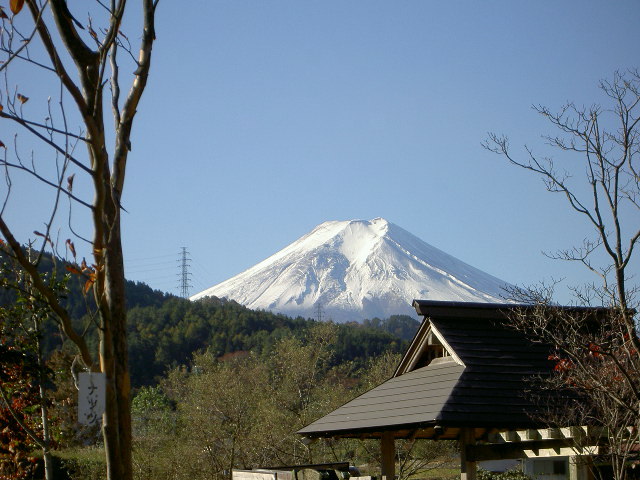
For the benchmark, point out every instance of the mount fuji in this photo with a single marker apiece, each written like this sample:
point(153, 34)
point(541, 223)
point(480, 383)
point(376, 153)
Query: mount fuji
point(354, 270)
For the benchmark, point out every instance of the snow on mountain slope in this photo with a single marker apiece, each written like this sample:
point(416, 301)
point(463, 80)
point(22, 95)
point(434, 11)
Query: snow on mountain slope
point(356, 269)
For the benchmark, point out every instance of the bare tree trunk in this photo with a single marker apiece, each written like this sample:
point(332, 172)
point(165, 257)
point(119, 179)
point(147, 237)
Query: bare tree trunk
point(115, 357)
point(67, 45)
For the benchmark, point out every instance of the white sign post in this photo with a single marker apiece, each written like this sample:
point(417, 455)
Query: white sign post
point(91, 397)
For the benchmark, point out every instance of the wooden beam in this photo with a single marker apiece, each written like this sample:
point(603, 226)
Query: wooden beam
point(533, 434)
point(552, 433)
point(508, 450)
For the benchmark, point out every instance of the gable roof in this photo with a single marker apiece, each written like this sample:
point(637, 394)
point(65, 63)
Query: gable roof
point(482, 381)
point(401, 402)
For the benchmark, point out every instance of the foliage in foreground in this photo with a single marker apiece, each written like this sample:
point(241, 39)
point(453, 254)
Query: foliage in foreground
point(243, 412)
point(513, 474)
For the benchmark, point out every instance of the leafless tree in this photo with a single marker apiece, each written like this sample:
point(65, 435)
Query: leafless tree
point(72, 141)
point(596, 351)
point(596, 368)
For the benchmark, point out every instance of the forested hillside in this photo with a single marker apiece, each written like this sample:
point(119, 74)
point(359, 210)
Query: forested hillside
point(167, 336)
point(165, 331)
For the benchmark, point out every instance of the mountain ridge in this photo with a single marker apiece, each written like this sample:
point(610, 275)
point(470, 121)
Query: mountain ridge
point(356, 269)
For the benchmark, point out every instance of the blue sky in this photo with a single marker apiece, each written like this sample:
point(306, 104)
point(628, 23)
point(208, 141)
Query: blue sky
point(263, 119)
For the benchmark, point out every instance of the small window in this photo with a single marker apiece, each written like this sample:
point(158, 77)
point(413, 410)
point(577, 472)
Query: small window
point(541, 467)
point(559, 467)
point(549, 467)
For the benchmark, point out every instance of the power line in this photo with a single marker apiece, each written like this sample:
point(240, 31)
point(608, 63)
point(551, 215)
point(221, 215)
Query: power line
point(153, 264)
point(200, 276)
point(145, 270)
point(155, 257)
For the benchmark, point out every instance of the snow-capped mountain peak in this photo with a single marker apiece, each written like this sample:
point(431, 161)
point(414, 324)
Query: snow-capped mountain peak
point(354, 270)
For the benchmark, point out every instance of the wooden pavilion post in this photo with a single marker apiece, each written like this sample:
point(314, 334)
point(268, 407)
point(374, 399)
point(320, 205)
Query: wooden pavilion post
point(388, 450)
point(468, 469)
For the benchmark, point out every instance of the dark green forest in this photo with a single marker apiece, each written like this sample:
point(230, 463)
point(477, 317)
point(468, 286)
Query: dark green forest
point(165, 331)
point(165, 336)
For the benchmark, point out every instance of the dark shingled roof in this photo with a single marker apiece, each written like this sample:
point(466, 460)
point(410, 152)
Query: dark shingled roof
point(485, 383)
point(413, 398)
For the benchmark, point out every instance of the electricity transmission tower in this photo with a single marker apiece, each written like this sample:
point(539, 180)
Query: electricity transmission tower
point(184, 275)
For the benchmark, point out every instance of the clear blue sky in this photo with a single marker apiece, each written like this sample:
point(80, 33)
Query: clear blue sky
point(263, 119)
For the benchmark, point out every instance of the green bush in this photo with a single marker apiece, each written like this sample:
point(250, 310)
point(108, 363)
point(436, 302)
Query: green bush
point(513, 474)
point(80, 464)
